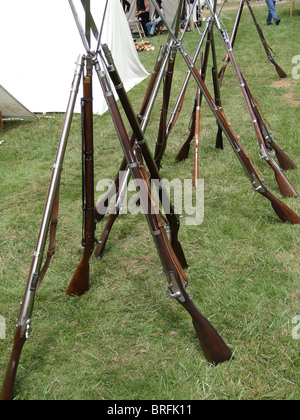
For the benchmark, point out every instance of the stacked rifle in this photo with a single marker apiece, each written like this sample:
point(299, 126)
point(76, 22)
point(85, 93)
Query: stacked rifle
point(139, 163)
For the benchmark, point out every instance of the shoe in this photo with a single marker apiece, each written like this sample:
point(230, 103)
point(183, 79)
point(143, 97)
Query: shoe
point(277, 22)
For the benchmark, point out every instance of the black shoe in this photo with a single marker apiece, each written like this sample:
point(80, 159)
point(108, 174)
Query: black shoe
point(277, 22)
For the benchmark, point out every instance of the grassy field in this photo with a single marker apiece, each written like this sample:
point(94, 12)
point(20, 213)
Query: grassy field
point(122, 339)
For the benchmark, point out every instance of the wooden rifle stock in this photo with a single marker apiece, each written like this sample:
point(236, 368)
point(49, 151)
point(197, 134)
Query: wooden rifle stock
point(185, 148)
point(282, 211)
point(285, 162)
point(214, 347)
point(10, 376)
point(80, 281)
point(222, 70)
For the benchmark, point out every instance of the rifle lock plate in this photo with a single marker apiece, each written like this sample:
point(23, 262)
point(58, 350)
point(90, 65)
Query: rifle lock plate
point(173, 289)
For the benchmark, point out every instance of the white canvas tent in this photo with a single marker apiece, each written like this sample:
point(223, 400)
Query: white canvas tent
point(10, 107)
point(40, 44)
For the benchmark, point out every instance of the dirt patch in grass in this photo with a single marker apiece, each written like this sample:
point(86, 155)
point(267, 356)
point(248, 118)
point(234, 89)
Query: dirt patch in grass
point(283, 83)
point(289, 96)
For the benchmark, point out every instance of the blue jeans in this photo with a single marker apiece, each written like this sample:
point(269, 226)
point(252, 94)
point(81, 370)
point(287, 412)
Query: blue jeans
point(272, 12)
point(151, 28)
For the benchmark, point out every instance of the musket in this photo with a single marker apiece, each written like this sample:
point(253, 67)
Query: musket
point(213, 345)
point(226, 59)
point(283, 212)
point(141, 142)
point(287, 190)
point(80, 280)
point(25, 318)
point(281, 73)
point(268, 50)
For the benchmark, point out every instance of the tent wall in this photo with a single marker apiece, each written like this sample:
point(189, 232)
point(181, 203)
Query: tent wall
point(40, 44)
point(10, 107)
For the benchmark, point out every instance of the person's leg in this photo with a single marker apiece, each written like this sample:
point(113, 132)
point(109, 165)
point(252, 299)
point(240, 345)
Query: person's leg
point(269, 18)
point(272, 12)
point(148, 26)
point(152, 32)
point(145, 19)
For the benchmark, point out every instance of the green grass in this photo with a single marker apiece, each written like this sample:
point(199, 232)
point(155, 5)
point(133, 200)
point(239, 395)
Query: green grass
point(122, 339)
